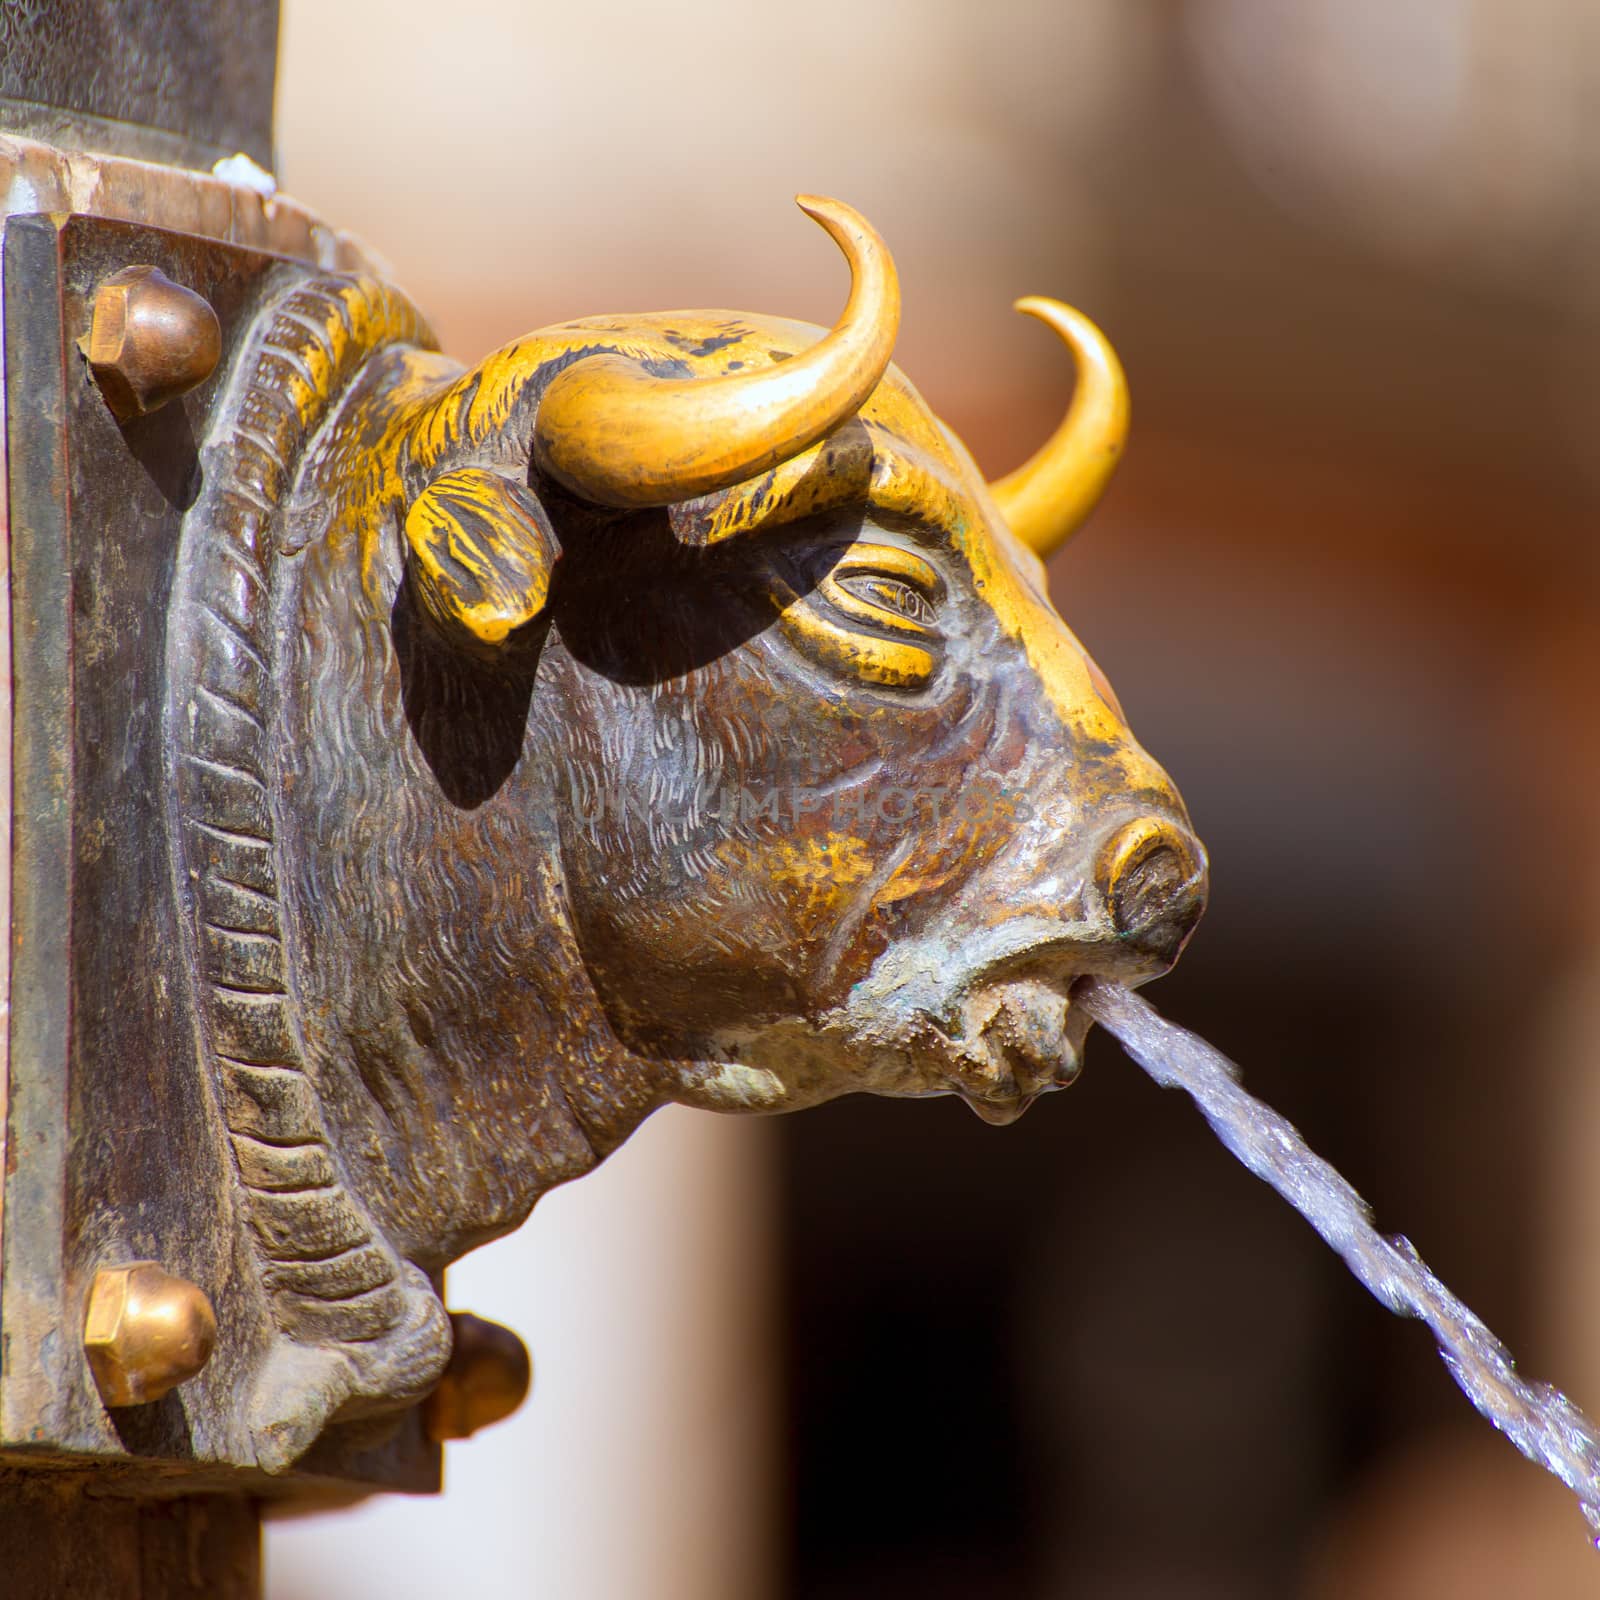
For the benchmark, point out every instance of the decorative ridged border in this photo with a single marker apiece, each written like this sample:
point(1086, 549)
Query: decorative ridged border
point(330, 1276)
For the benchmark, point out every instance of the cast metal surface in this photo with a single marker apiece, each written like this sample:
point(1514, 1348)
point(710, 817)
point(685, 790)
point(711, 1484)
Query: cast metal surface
point(145, 1332)
point(661, 710)
point(67, 1537)
point(421, 774)
point(113, 1482)
point(150, 340)
point(186, 82)
point(113, 1149)
point(741, 762)
point(487, 1379)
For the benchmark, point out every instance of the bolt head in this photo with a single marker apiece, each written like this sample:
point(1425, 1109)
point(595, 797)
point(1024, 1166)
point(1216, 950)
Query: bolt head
point(487, 1379)
point(145, 1332)
point(150, 340)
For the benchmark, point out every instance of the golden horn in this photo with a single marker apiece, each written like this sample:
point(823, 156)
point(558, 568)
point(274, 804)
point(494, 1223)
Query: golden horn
point(612, 433)
point(1047, 498)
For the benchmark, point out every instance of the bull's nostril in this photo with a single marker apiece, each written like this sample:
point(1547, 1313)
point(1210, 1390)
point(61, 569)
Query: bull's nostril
point(1150, 874)
point(1148, 884)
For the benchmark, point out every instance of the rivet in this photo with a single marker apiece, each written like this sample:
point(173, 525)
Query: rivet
point(145, 1332)
point(487, 1379)
point(150, 340)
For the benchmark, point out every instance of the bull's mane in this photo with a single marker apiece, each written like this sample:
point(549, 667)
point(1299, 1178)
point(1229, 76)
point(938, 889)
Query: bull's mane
point(355, 1322)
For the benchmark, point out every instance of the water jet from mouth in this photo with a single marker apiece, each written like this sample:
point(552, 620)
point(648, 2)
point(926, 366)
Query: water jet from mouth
point(1539, 1420)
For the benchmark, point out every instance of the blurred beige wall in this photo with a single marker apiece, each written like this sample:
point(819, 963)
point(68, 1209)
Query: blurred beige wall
point(523, 161)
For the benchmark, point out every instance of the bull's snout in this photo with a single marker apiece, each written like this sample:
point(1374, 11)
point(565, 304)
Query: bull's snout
point(1152, 874)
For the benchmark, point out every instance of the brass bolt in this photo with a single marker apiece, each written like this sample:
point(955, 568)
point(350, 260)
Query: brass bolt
point(145, 1332)
point(150, 340)
point(486, 1381)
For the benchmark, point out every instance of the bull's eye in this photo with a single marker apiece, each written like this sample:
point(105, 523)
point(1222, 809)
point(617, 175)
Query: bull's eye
point(873, 609)
point(890, 594)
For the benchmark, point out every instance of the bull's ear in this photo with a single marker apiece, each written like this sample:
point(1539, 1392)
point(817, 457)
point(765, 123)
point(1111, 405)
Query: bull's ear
point(482, 552)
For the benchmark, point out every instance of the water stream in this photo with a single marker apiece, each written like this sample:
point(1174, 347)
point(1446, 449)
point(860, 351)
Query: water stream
point(1539, 1420)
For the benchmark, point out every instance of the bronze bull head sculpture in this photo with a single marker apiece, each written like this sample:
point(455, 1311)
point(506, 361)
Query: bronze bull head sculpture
point(663, 710)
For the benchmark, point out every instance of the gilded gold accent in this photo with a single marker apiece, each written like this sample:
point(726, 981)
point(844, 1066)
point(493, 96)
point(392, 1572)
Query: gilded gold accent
point(889, 662)
point(483, 553)
point(145, 1332)
point(884, 569)
point(1146, 861)
point(619, 435)
point(1047, 498)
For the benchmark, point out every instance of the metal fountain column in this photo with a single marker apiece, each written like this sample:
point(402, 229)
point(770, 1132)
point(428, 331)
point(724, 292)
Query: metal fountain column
point(130, 272)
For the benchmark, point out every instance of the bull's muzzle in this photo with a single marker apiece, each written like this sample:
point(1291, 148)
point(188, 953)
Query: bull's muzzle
point(1152, 874)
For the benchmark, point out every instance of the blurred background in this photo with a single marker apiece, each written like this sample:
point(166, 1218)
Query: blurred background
point(1346, 585)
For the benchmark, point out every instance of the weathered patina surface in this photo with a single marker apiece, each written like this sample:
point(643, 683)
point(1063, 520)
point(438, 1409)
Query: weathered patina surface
point(662, 710)
point(113, 1153)
point(185, 82)
point(424, 774)
point(421, 775)
point(75, 1537)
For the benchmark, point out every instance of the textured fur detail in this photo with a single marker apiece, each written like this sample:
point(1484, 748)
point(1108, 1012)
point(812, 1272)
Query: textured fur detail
point(358, 1328)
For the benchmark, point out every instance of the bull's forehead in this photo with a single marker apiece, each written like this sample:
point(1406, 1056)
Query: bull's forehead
point(894, 460)
point(898, 461)
point(945, 486)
